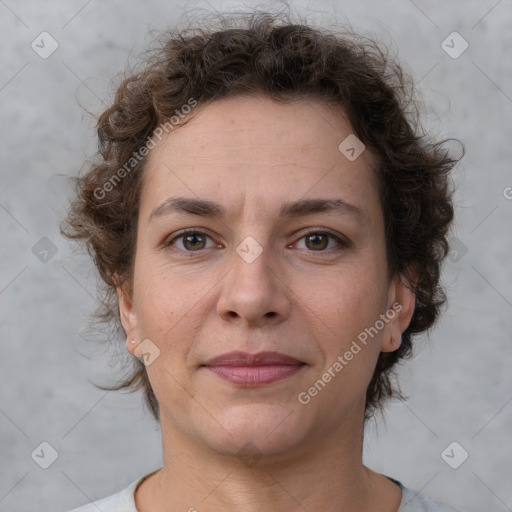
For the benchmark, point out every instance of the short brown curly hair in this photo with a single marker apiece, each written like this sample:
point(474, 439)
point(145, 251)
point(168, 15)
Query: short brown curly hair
point(284, 59)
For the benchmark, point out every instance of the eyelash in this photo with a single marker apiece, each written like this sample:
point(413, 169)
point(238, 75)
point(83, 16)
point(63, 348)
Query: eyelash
point(343, 243)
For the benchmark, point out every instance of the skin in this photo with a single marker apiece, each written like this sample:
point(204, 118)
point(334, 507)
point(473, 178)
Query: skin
point(251, 155)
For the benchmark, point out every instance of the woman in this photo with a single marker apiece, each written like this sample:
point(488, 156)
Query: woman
point(270, 223)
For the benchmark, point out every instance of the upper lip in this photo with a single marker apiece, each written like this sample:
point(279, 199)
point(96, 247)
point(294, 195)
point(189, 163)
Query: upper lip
point(238, 358)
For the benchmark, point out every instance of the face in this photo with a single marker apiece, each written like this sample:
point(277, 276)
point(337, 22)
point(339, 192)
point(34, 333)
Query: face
point(287, 258)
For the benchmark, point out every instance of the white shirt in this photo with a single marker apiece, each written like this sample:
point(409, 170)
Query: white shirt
point(124, 501)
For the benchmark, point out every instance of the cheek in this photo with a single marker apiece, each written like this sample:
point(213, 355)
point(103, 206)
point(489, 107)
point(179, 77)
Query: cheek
point(349, 301)
point(160, 302)
point(353, 305)
point(171, 310)
point(343, 318)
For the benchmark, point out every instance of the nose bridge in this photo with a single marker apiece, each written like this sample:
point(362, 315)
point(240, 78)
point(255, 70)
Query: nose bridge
point(252, 290)
point(251, 273)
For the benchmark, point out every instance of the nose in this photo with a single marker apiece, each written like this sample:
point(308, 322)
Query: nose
point(254, 292)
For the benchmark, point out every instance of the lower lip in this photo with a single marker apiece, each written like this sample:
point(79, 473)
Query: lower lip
point(255, 375)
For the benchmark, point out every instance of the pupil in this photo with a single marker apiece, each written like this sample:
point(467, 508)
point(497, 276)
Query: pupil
point(193, 240)
point(317, 240)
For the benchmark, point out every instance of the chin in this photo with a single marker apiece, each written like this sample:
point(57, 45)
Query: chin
point(259, 429)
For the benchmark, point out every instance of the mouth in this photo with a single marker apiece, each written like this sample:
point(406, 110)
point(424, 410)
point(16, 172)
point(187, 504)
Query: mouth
point(249, 370)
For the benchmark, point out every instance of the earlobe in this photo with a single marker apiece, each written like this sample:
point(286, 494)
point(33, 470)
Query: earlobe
point(394, 344)
point(392, 337)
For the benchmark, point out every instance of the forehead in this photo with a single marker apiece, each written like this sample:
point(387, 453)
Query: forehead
point(257, 147)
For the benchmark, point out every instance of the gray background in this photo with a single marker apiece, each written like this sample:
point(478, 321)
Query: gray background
point(459, 382)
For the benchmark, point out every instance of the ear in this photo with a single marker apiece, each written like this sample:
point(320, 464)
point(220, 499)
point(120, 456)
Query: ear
point(401, 303)
point(128, 317)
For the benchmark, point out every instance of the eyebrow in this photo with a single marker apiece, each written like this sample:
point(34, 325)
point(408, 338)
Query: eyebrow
point(299, 208)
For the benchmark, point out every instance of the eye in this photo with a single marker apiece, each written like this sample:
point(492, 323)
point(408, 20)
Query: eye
point(190, 241)
point(318, 241)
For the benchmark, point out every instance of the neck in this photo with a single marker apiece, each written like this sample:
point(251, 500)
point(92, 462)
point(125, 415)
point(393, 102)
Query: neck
point(324, 474)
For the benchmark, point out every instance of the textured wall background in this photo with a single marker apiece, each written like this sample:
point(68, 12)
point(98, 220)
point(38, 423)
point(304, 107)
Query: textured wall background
point(459, 383)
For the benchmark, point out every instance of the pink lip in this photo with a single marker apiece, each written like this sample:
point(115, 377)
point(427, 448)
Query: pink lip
point(248, 370)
